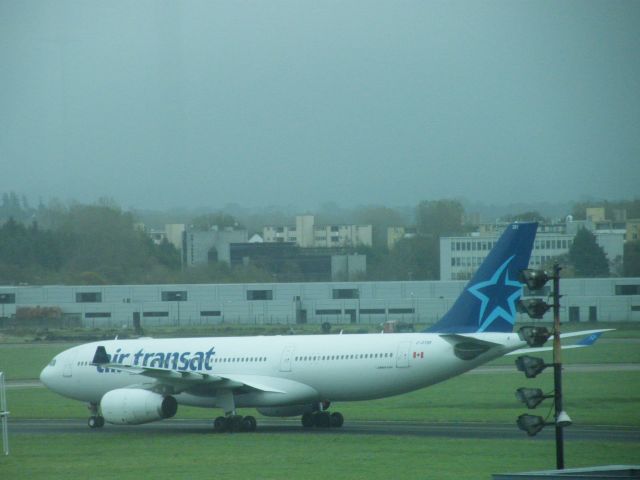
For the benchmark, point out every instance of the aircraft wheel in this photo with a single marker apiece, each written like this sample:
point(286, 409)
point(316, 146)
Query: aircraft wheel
point(100, 421)
point(249, 424)
point(233, 423)
point(322, 420)
point(307, 420)
point(336, 420)
point(94, 421)
point(219, 424)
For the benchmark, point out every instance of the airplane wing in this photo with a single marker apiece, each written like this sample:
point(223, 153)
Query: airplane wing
point(181, 380)
point(593, 336)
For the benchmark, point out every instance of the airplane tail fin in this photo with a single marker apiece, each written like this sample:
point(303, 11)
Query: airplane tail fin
point(488, 302)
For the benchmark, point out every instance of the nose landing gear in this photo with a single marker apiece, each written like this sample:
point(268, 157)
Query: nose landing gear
point(95, 420)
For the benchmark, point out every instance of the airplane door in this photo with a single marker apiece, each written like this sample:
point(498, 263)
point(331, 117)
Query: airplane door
point(67, 370)
point(402, 357)
point(287, 356)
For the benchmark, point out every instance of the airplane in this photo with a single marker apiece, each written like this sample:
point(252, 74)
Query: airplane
point(136, 381)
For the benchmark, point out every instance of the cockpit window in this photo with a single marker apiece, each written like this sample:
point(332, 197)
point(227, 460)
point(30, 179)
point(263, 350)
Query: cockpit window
point(52, 363)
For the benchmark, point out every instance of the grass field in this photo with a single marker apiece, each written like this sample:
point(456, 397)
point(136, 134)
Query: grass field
point(290, 456)
point(592, 398)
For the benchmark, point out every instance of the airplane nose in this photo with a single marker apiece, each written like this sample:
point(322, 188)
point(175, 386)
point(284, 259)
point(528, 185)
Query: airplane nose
point(45, 376)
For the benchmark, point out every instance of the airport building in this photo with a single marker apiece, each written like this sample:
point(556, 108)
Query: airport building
point(117, 306)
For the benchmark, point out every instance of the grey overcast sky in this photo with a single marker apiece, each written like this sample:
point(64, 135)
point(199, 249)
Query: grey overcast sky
point(296, 102)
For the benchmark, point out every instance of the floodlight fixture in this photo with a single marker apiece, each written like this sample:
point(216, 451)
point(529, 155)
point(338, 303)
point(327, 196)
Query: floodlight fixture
point(534, 336)
point(531, 424)
point(534, 279)
point(531, 397)
point(531, 366)
point(534, 307)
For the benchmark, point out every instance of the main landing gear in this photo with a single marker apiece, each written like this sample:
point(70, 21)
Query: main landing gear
point(95, 420)
point(235, 423)
point(322, 420)
point(232, 422)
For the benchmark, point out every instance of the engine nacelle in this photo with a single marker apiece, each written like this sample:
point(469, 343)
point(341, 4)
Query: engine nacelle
point(132, 406)
point(291, 410)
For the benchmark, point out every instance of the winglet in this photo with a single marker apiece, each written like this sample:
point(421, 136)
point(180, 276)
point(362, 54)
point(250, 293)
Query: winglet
point(101, 357)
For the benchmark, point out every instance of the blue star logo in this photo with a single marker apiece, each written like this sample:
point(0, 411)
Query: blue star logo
point(498, 295)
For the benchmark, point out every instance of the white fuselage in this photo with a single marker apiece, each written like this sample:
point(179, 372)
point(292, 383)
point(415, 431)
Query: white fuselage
point(294, 369)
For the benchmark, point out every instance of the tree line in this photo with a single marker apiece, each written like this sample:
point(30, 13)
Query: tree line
point(102, 244)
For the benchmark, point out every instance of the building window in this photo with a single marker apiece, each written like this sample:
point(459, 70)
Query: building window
point(155, 314)
point(180, 296)
point(6, 298)
point(372, 311)
point(97, 315)
point(401, 310)
point(328, 311)
point(88, 297)
point(210, 313)
point(345, 293)
point(259, 294)
point(627, 289)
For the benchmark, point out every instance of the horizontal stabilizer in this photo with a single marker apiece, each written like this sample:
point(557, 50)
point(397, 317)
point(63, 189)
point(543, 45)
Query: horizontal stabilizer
point(593, 336)
point(467, 347)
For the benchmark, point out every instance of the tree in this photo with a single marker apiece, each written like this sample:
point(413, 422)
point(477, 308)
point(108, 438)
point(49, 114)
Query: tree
point(632, 259)
point(531, 216)
point(440, 217)
point(587, 257)
point(380, 218)
point(210, 220)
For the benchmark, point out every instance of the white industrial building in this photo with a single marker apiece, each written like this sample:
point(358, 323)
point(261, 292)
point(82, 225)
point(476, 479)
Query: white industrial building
point(115, 306)
point(461, 256)
point(199, 246)
point(307, 234)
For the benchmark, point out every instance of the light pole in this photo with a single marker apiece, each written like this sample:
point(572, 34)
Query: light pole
point(535, 308)
point(557, 367)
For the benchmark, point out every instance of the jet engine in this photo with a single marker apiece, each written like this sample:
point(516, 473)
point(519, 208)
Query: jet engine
point(132, 406)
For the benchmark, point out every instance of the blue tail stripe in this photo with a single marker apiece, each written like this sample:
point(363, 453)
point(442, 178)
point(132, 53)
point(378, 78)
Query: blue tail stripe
point(488, 302)
point(590, 340)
